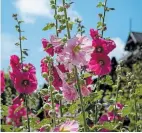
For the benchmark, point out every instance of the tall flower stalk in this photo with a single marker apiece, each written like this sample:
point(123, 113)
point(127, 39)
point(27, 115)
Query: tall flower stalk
point(50, 79)
point(75, 68)
point(57, 34)
point(18, 27)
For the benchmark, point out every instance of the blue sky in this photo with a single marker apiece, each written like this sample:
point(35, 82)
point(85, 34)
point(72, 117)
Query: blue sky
point(36, 13)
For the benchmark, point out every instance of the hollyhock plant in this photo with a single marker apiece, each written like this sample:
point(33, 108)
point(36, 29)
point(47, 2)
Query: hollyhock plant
point(68, 126)
point(2, 82)
point(100, 64)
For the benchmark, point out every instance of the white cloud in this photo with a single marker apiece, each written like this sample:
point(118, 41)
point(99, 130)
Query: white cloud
point(73, 14)
point(118, 52)
point(7, 46)
point(30, 9)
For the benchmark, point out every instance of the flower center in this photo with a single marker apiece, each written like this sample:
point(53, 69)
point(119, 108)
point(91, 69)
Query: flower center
point(63, 129)
point(76, 49)
point(101, 62)
point(99, 49)
point(25, 82)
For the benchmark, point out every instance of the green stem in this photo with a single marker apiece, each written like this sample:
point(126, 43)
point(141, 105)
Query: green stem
point(136, 114)
point(20, 42)
point(115, 110)
point(65, 13)
point(51, 95)
point(81, 100)
point(28, 119)
point(76, 73)
point(56, 19)
point(104, 14)
point(57, 34)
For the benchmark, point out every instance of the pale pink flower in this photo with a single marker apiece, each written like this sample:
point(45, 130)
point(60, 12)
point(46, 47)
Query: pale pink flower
point(75, 51)
point(69, 92)
point(68, 126)
point(85, 91)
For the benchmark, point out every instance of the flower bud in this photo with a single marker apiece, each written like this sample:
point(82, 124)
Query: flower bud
point(120, 91)
point(51, 88)
point(50, 78)
point(129, 84)
point(45, 60)
point(44, 74)
point(132, 77)
point(99, 105)
point(51, 113)
point(44, 91)
point(58, 97)
point(47, 106)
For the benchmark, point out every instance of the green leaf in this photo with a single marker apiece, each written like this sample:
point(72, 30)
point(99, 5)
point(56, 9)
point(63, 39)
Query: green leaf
point(100, 4)
point(23, 38)
point(62, 27)
point(7, 128)
point(126, 111)
point(86, 75)
point(70, 24)
point(48, 26)
point(25, 53)
point(4, 110)
point(17, 44)
point(99, 24)
point(20, 21)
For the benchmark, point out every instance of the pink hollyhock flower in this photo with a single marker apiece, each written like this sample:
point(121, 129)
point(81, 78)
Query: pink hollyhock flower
point(24, 82)
point(75, 52)
point(15, 111)
point(103, 46)
point(42, 129)
point(57, 44)
point(44, 66)
point(2, 82)
point(57, 82)
point(62, 68)
point(15, 62)
point(119, 106)
point(85, 91)
point(48, 47)
point(69, 92)
point(100, 64)
point(103, 119)
point(30, 68)
point(68, 126)
point(88, 80)
point(14, 121)
point(94, 33)
point(18, 100)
